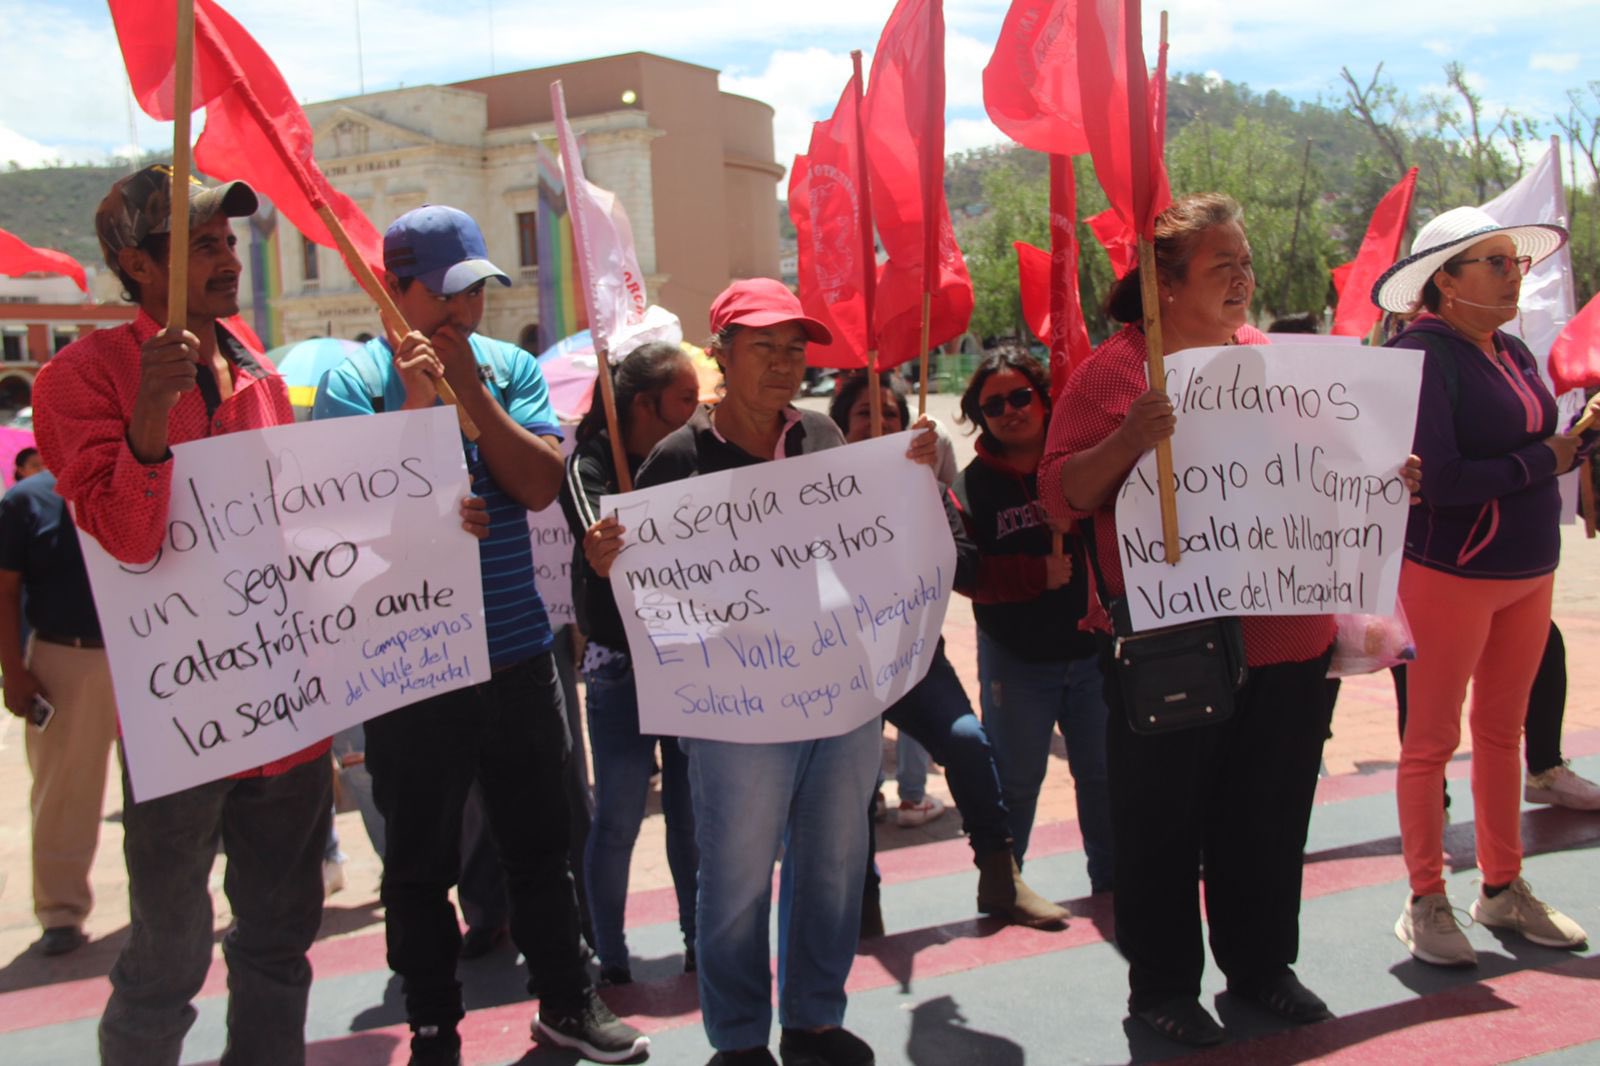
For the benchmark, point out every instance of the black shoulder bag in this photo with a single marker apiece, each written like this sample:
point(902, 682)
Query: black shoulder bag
point(1176, 677)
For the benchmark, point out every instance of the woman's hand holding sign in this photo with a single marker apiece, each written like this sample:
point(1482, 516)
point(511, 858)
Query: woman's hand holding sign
point(602, 543)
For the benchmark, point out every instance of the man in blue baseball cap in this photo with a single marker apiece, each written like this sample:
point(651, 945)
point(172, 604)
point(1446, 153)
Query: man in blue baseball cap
point(508, 733)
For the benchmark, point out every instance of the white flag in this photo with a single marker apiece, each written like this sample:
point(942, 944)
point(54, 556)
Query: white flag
point(620, 316)
point(1547, 300)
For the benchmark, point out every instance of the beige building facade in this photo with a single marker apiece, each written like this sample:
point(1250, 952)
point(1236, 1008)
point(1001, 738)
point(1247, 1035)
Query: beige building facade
point(692, 165)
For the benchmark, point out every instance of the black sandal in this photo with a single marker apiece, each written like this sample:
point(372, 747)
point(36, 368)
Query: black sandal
point(1183, 1020)
point(1284, 996)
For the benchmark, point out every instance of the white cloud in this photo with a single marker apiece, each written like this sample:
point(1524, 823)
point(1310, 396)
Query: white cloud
point(965, 134)
point(1556, 62)
point(802, 87)
point(24, 151)
point(1438, 47)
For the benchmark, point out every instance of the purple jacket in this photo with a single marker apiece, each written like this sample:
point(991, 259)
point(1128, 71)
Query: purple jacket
point(1490, 505)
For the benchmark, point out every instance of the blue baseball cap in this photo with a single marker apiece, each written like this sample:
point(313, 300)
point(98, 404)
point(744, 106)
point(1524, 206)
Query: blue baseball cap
point(440, 246)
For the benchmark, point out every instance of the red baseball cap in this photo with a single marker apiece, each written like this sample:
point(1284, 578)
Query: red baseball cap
point(761, 302)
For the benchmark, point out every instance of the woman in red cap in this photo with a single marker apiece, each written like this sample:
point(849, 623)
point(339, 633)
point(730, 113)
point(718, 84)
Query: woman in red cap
point(753, 801)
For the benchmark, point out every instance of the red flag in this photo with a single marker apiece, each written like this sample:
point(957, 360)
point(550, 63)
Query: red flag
point(1357, 314)
point(1117, 239)
point(1341, 274)
point(1069, 335)
point(1124, 116)
point(1030, 87)
point(904, 119)
point(255, 129)
point(17, 258)
point(1575, 356)
point(827, 207)
point(1033, 280)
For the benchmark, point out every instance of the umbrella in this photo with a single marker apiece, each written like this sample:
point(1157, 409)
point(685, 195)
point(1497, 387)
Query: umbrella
point(569, 367)
point(303, 364)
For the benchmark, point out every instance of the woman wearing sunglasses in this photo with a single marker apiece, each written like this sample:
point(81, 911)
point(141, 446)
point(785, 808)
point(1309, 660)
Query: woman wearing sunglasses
point(1036, 671)
point(1481, 553)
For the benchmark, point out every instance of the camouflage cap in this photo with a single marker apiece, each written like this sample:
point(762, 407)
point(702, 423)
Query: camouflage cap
point(141, 204)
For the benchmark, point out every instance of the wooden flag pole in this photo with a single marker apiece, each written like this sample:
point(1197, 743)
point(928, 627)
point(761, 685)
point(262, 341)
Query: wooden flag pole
point(869, 255)
point(1586, 497)
point(922, 367)
point(1150, 297)
point(394, 321)
point(182, 100)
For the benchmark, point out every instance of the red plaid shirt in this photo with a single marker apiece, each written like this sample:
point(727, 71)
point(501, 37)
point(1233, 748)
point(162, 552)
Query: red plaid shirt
point(83, 400)
point(1093, 404)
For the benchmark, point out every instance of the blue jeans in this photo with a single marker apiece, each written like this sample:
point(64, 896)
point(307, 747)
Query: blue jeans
point(807, 798)
point(622, 764)
point(358, 782)
point(910, 770)
point(1022, 703)
point(938, 715)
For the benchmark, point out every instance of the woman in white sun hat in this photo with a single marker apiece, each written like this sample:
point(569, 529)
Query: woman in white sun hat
point(1480, 559)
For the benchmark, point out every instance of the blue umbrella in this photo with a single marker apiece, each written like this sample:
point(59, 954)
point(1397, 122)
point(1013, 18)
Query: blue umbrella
point(303, 364)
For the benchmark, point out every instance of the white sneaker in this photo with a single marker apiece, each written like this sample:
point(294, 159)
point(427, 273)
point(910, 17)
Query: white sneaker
point(1429, 931)
point(332, 877)
point(1561, 787)
point(912, 814)
point(1519, 910)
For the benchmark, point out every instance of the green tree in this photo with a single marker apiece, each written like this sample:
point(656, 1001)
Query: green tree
point(1259, 164)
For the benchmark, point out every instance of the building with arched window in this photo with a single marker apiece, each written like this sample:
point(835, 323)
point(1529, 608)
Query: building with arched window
point(692, 165)
point(39, 315)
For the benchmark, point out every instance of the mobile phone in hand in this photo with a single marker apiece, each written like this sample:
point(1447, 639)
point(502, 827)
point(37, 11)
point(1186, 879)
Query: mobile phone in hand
point(43, 710)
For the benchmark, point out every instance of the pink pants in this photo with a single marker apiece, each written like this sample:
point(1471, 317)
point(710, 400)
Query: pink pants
point(1492, 633)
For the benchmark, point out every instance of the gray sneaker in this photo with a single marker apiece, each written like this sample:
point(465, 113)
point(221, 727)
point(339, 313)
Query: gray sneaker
point(1519, 910)
point(1429, 931)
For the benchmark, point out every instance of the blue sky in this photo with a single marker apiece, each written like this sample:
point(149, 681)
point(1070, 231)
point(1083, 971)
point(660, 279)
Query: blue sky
point(64, 96)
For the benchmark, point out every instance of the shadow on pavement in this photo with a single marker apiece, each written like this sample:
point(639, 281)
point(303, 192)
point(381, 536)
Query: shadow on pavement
point(940, 1037)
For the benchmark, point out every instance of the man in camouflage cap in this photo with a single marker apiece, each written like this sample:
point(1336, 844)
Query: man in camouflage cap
point(107, 410)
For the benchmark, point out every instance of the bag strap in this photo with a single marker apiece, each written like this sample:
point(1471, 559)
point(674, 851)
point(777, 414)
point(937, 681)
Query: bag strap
point(1091, 548)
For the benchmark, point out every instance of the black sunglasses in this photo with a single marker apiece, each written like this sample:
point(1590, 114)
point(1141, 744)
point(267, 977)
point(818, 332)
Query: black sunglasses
point(995, 406)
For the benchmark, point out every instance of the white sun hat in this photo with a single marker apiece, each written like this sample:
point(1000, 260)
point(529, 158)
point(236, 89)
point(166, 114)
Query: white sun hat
point(1441, 239)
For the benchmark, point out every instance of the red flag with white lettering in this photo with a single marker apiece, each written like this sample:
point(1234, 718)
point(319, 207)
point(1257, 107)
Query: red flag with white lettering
point(828, 210)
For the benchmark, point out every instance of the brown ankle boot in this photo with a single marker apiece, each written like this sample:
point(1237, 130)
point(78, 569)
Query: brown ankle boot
point(1003, 893)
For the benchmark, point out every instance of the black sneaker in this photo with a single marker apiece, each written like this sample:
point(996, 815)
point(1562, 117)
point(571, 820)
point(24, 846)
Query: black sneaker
point(830, 1047)
point(755, 1056)
point(612, 976)
point(433, 1045)
point(61, 940)
point(589, 1028)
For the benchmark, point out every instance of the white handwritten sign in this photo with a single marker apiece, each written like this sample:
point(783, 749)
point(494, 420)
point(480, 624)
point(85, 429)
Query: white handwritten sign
point(786, 601)
point(311, 577)
point(1286, 459)
point(552, 551)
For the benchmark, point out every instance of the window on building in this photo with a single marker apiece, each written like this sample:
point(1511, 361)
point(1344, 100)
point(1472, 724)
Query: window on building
point(62, 338)
point(308, 259)
point(528, 238)
point(14, 346)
